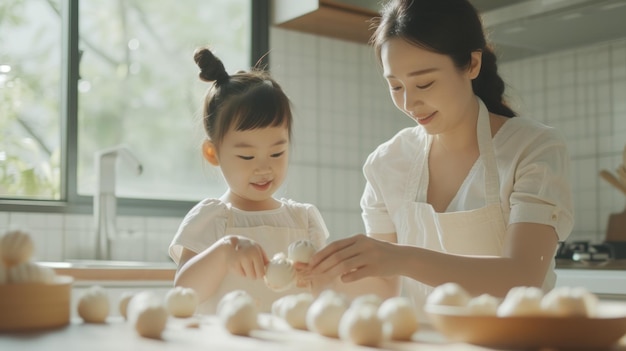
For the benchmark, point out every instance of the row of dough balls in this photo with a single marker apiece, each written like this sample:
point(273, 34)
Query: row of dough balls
point(144, 310)
point(16, 264)
point(280, 274)
point(519, 301)
point(366, 320)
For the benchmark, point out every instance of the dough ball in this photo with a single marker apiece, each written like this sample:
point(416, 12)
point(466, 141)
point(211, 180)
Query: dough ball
point(295, 309)
point(399, 318)
point(124, 300)
point(329, 293)
point(278, 306)
point(239, 315)
point(30, 272)
point(448, 294)
point(181, 302)
point(229, 296)
point(485, 305)
point(325, 313)
point(521, 301)
point(93, 305)
point(147, 314)
point(16, 247)
point(301, 251)
point(279, 273)
point(567, 301)
point(370, 299)
point(360, 325)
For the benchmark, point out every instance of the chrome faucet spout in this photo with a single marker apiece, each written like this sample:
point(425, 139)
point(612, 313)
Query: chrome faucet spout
point(104, 199)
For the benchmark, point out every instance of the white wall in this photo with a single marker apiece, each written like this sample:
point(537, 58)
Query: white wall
point(342, 111)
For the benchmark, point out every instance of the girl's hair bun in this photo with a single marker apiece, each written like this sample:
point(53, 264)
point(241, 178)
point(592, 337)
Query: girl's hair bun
point(211, 68)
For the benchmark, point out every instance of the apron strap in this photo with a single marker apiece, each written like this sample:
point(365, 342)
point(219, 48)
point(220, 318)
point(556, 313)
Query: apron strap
point(488, 156)
point(229, 221)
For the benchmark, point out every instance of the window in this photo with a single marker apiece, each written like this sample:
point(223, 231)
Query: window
point(135, 85)
point(30, 73)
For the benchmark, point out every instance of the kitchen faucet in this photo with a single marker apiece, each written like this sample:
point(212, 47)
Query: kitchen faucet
point(104, 200)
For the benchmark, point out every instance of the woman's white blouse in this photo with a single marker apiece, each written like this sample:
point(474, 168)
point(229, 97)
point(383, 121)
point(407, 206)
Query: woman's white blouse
point(533, 169)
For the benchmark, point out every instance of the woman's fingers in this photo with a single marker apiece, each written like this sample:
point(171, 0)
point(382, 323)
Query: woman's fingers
point(330, 249)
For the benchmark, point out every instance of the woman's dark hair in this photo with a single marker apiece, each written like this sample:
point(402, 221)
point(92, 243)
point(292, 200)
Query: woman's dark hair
point(243, 101)
point(448, 27)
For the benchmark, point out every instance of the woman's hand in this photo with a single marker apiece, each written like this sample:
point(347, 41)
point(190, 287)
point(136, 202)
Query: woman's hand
point(354, 258)
point(247, 257)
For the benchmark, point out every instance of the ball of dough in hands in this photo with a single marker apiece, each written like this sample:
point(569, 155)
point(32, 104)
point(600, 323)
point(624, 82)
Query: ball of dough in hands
point(239, 315)
point(521, 301)
point(325, 313)
point(448, 294)
point(301, 251)
point(30, 272)
point(181, 302)
point(361, 325)
point(147, 314)
point(93, 305)
point(280, 274)
point(399, 318)
point(16, 247)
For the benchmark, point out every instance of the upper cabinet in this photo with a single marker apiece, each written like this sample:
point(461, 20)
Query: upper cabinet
point(347, 20)
point(517, 28)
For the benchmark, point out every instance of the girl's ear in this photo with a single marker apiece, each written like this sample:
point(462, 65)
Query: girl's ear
point(475, 64)
point(210, 153)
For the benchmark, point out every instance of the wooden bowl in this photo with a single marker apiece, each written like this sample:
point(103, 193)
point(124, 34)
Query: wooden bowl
point(532, 332)
point(35, 306)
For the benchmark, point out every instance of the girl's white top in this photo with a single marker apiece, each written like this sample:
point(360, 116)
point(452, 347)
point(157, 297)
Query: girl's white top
point(211, 219)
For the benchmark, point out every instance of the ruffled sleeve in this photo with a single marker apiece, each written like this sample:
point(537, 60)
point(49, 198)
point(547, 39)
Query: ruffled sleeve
point(318, 232)
point(203, 225)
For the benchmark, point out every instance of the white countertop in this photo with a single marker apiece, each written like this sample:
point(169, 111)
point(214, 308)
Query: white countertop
point(598, 281)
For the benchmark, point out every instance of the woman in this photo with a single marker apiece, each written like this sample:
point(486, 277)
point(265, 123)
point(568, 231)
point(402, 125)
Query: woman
point(472, 194)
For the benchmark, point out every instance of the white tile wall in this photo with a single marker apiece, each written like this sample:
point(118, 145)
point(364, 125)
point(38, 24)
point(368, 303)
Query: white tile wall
point(59, 236)
point(582, 93)
point(342, 112)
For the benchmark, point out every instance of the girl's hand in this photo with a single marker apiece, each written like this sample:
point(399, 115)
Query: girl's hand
point(354, 258)
point(301, 269)
point(247, 258)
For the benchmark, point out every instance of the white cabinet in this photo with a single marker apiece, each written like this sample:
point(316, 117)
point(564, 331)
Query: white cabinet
point(608, 284)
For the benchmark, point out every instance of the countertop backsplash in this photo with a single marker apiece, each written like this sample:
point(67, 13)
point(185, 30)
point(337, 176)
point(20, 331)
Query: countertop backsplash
point(342, 111)
point(61, 237)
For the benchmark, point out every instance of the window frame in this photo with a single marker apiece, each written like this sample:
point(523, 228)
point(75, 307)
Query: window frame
point(74, 203)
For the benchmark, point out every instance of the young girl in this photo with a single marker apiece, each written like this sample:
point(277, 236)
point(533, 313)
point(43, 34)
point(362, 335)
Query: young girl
point(224, 244)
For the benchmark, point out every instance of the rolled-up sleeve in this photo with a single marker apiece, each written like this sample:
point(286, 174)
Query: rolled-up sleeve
point(541, 191)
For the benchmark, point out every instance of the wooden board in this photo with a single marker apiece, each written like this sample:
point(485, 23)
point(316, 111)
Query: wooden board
point(616, 229)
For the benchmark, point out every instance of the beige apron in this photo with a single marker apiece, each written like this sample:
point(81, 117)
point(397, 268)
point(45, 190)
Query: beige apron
point(474, 232)
point(272, 240)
